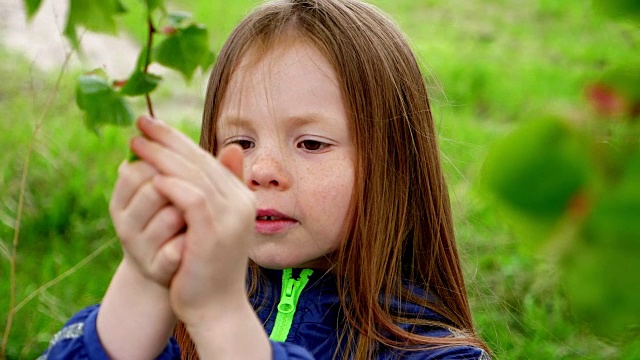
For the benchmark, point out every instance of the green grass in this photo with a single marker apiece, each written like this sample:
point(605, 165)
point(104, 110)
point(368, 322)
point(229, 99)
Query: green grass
point(491, 65)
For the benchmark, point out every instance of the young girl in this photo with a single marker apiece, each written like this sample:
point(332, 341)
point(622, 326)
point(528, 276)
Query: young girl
point(327, 187)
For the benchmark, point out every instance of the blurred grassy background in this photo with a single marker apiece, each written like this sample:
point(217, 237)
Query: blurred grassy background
point(490, 65)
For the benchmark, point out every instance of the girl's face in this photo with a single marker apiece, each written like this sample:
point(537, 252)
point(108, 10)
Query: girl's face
point(287, 112)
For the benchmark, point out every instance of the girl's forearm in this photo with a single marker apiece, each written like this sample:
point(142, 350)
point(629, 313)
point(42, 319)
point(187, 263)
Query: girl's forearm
point(135, 319)
point(231, 332)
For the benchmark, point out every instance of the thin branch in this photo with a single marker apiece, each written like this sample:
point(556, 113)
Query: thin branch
point(23, 185)
point(150, 32)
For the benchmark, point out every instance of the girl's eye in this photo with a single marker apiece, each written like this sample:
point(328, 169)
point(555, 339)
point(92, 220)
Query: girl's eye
point(312, 145)
point(245, 144)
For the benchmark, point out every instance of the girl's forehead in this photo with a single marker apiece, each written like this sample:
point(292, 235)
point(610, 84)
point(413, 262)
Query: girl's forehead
point(285, 58)
point(286, 85)
point(290, 77)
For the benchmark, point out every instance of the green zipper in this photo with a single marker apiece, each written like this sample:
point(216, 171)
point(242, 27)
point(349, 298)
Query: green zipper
point(291, 290)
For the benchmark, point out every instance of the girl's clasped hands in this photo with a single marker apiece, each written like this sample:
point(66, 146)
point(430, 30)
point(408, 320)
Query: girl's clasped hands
point(184, 218)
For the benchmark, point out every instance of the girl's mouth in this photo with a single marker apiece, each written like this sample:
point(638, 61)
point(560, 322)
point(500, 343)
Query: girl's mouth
point(269, 221)
point(270, 218)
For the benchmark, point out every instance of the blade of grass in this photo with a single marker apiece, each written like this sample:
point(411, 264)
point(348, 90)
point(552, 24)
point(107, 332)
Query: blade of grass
point(23, 183)
point(64, 275)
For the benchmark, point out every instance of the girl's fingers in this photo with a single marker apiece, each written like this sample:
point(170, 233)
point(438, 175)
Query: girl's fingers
point(167, 259)
point(151, 248)
point(130, 177)
point(146, 202)
point(171, 163)
point(200, 168)
point(167, 136)
point(173, 154)
point(174, 140)
point(166, 223)
point(191, 200)
point(208, 214)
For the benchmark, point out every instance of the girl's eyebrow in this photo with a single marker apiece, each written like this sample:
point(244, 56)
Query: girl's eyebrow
point(235, 121)
point(306, 119)
point(295, 121)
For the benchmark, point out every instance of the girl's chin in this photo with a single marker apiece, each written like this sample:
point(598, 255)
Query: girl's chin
point(277, 263)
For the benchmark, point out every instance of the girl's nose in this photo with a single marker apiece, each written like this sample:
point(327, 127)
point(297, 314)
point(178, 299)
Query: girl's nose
point(268, 172)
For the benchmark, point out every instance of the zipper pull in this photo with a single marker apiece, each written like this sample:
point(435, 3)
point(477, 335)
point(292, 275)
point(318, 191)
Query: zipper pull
point(287, 300)
point(289, 297)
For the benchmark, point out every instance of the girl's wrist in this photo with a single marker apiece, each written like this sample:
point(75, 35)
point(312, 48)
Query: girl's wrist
point(197, 317)
point(230, 330)
point(135, 319)
point(135, 276)
point(129, 282)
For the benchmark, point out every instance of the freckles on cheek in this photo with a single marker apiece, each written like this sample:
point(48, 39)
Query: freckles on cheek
point(330, 185)
point(336, 189)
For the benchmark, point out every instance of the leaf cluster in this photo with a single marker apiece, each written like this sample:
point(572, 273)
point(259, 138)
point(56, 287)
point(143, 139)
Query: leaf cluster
point(577, 177)
point(183, 47)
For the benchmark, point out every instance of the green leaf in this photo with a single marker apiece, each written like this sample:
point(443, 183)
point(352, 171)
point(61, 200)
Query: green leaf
point(154, 4)
point(101, 104)
point(619, 8)
point(177, 17)
point(133, 157)
point(142, 58)
point(140, 83)
point(599, 283)
point(537, 169)
point(208, 61)
point(601, 269)
point(32, 7)
point(614, 219)
point(625, 79)
point(120, 8)
point(631, 350)
point(184, 50)
point(93, 15)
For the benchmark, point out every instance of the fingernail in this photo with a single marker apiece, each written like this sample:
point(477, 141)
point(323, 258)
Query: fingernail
point(137, 141)
point(146, 118)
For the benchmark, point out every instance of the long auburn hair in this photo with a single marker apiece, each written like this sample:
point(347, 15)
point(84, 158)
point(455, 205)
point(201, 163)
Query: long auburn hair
point(401, 230)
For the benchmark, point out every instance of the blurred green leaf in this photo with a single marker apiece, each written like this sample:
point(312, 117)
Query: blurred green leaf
point(154, 4)
point(632, 351)
point(185, 50)
point(32, 7)
point(101, 103)
point(537, 169)
point(601, 269)
point(619, 8)
point(4, 251)
point(132, 157)
point(600, 283)
point(93, 15)
point(615, 217)
point(625, 79)
point(140, 83)
point(142, 58)
point(208, 61)
point(606, 100)
point(177, 17)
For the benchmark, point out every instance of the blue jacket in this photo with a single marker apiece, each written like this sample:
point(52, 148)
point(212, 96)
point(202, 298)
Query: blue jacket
point(307, 327)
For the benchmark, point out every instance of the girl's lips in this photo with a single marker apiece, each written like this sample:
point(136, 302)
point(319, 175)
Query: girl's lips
point(267, 227)
point(270, 221)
